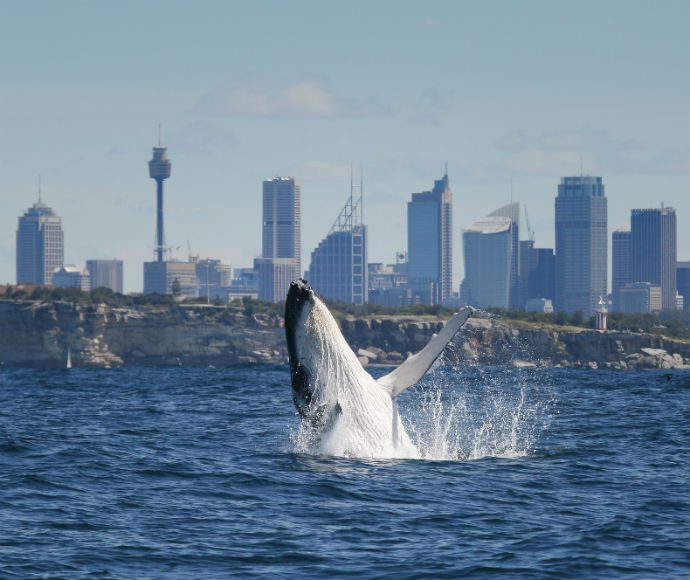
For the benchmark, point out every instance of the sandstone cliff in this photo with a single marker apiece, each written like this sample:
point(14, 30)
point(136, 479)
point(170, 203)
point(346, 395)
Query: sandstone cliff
point(40, 335)
point(491, 341)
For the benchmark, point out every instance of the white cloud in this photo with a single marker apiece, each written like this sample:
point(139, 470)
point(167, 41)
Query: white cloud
point(595, 150)
point(539, 162)
point(299, 99)
point(323, 171)
point(201, 137)
point(308, 99)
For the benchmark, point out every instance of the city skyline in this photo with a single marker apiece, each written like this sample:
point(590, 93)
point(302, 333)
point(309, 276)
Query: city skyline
point(498, 102)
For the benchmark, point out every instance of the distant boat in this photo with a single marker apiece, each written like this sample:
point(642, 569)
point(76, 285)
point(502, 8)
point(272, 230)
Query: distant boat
point(68, 364)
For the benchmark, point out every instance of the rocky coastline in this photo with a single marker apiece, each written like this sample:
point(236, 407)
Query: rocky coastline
point(40, 334)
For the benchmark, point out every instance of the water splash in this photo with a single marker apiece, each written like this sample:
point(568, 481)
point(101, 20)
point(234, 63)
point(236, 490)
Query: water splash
point(455, 413)
point(467, 414)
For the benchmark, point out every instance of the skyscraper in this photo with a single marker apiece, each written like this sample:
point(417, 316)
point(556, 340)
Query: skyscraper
point(338, 268)
point(536, 273)
point(40, 244)
point(621, 265)
point(654, 250)
point(581, 244)
point(281, 237)
point(512, 211)
point(488, 250)
point(430, 243)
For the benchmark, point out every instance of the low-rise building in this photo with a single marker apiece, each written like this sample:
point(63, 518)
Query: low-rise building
point(72, 276)
point(640, 297)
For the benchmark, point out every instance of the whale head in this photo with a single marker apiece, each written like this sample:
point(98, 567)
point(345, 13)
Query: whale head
point(298, 306)
point(324, 370)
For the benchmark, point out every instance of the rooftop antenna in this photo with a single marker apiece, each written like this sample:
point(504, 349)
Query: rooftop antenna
point(39, 188)
point(361, 194)
point(446, 168)
point(350, 178)
point(580, 165)
point(159, 134)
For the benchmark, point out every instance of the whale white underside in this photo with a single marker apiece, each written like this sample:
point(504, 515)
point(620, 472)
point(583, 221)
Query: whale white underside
point(367, 423)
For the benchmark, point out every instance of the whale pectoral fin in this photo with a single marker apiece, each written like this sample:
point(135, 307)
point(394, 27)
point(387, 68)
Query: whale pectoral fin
point(413, 369)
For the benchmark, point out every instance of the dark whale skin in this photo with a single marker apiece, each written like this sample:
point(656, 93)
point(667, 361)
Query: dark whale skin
point(299, 294)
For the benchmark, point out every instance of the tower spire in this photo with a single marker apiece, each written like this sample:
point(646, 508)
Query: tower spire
point(39, 189)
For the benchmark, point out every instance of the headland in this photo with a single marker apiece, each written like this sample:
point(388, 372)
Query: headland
point(36, 333)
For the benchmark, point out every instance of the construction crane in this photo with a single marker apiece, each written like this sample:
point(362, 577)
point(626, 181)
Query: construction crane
point(191, 257)
point(530, 231)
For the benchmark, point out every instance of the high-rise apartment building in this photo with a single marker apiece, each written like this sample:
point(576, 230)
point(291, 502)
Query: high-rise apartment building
point(40, 245)
point(621, 265)
point(488, 252)
point(581, 244)
point(430, 243)
point(338, 268)
point(105, 274)
point(653, 233)
point(281, 237)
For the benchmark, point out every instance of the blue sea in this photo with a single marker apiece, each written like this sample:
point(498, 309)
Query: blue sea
point(185, 472)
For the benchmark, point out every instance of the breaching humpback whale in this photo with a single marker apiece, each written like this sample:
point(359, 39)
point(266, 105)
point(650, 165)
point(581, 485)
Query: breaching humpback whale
point(343, 408)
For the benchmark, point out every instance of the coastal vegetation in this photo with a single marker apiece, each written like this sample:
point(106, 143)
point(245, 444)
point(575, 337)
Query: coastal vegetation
point(671, 323)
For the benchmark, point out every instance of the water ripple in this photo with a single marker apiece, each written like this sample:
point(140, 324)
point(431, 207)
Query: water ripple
point(189, 473)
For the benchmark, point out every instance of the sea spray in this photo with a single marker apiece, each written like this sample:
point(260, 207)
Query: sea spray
point(453, 416)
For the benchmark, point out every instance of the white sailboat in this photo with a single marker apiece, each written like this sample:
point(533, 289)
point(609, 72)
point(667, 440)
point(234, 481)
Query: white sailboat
point(68, 364)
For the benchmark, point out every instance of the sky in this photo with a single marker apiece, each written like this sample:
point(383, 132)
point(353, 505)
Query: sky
point(511, 95)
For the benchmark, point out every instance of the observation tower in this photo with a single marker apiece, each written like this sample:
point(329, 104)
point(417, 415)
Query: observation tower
point(159, 169)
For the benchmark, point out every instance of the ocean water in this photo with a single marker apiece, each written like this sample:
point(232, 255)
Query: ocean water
point(195, 473)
